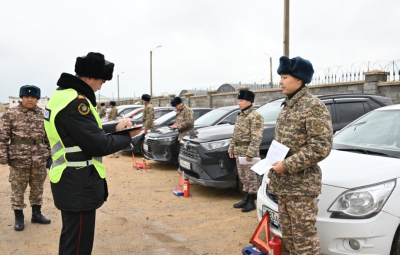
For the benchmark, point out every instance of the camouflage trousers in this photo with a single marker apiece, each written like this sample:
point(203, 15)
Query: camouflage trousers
point(19, 179)
point(247, 177)
point(297, 217)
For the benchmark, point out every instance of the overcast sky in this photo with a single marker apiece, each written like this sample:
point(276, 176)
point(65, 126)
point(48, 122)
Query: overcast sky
point(205, 43)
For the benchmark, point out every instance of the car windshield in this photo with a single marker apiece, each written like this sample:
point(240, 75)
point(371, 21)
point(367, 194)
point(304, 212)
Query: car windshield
point(378, 131)
point(270, 112)
point(132, 112)
point(211, 117)
point(166, 117)
point(138, 116)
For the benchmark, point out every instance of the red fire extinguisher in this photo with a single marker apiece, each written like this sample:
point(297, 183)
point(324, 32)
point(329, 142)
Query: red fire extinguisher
point(275, 245)
point(144, 164)
point(186, 188)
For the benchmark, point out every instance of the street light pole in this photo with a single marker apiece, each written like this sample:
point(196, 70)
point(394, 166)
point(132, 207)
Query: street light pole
point(151, 70)
point(286, 29)
point(270, 70)
point(118, 84)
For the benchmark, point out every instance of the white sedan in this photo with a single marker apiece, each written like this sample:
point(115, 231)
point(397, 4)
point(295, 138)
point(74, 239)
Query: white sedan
point(359, 207)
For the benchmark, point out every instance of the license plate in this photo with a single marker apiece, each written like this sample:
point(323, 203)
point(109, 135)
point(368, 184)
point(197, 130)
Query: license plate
point(273, 216)
point(145, 147)
point(184, 164)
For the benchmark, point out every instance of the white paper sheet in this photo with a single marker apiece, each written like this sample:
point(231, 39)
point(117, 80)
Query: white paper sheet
point(243, 161)
point(276, 152)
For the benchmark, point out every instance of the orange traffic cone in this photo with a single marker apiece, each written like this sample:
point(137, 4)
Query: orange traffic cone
point(179, 186)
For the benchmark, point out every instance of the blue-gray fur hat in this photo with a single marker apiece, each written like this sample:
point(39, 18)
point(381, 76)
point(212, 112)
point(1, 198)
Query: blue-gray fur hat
point(176, 101)
point(29, 90)
point(246, 95)
point(298, 67)
point(146, 97)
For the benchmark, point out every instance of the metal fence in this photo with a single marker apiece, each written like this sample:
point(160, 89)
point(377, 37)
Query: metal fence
point(332, 74)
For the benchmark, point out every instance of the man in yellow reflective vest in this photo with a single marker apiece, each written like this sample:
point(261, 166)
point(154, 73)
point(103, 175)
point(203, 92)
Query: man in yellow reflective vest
point(78, 143)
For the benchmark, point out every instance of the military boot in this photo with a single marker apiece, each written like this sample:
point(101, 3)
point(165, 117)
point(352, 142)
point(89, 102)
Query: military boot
point(250, 206)
point(242, 203)
point(19, 220)
point(37, 216)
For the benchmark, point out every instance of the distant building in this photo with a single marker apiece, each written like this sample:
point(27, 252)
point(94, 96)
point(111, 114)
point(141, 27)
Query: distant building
point(42, 102)
point(102, 99)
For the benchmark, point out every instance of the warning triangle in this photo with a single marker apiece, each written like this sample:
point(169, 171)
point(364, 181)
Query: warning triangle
point(259, 234)
point(134, 161)
point(179, 186)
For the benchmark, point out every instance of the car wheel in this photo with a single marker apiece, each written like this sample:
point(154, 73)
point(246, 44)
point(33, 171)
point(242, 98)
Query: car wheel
point(396, 243)
point(141, 147)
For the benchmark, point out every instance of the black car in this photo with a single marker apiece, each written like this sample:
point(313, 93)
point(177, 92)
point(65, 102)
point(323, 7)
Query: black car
point(204, 153)
point(161, 123)
point(109, 127)
point(162, 145)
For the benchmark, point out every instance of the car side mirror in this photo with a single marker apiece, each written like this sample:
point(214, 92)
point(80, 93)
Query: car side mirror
point(224, 122)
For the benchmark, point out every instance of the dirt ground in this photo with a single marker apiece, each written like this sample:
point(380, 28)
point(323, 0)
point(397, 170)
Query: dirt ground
point(141, 216)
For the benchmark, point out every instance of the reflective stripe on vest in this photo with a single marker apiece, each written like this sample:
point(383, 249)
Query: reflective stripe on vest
point(58, 101)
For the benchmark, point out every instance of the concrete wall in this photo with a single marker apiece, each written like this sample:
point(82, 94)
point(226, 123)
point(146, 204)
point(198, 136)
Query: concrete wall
point(375, 83)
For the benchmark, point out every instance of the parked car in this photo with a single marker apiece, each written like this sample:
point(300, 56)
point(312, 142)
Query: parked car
point(162, 145)
point(122, 110)
point(109, 127)
point(132, 114)
point(204, 154)
point(358, 209)
point(162, 126)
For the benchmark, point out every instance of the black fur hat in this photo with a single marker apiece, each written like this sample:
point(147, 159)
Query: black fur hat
point(176, 101)
point(94, 65)
point(298, 67)
point(246, 95)
point(29, 90)
point(112, 103)
point(102, 104)
point(146, 97)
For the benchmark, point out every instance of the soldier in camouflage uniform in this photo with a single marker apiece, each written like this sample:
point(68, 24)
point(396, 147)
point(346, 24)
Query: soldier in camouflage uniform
point(246, 140)
point(148, 113)
point(102, 110)
point(25, 148)
point(184, 120)
point(304, 125)
point(112, 115)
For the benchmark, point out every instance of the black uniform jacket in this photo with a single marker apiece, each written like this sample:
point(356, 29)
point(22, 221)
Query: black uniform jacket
point(82, 189)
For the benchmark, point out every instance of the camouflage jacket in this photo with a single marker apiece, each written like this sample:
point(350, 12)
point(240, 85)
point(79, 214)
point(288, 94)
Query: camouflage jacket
point(148, 116)
point(185, 121)
point(102, 111)
point(304, 125)
point(20, 123)
point(249, 128)
point(112, 115)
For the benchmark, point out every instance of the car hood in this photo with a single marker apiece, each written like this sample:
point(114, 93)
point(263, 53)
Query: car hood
point(163, 132)
point(212, 133)
point(349, 170)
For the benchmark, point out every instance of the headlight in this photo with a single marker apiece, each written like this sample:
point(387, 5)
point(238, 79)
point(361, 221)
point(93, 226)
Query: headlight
point(216, 144)
point(363, 202)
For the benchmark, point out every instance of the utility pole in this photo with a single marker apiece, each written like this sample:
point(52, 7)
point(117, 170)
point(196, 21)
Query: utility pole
point(151, 70)
point(286, 29)
point(270, 70)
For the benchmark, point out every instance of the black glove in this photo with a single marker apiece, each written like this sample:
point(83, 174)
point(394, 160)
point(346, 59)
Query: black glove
point(49, 162)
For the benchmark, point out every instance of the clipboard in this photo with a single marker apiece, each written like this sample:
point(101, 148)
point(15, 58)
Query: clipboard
point(126, 130)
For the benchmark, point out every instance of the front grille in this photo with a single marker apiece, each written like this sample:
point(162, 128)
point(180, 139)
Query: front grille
point(271, 196)
point(190, 173)
point(149, 154)
point(152, 144)
point(190, 152)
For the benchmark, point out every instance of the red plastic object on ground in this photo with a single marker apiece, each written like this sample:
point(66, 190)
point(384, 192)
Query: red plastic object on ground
point(275, 245)
point(186, 188)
